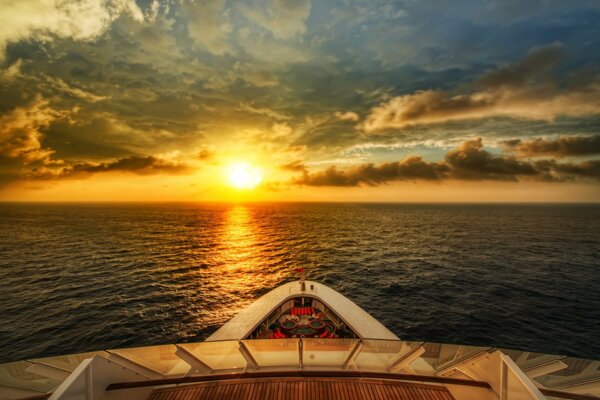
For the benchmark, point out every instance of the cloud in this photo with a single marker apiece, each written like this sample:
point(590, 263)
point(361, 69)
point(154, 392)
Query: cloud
point(46, 19)
point(20, 133)
point(553, 171)
point(468, 162)
point(285, 19)
point(205, 153)
point(538, 61)
point(267, 112)
point(141, 165)
point(73, 91)
point(251, 74)
point(23, 155)
point(347, 116)
point(589, 169)
point(411, 168)
point(524, 90)
point(296, 166)
point(12, 72)
point(561, 147)
point(282, 130)
point(208, 25)
point(21, 139)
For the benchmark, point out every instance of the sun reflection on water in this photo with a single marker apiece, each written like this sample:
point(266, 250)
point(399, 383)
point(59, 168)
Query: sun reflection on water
point(240, 271)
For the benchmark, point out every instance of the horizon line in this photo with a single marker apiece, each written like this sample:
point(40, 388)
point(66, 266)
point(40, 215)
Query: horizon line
point(297, 202)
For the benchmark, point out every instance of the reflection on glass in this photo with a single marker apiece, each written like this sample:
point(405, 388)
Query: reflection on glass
point(378, 354)
point(579, 376)
point(440, 355)
point(271, 353)
point(161, 359)
point(217, 355)
point(69, 362)
point(15, 379)
point(527, 359)
point(327, 352)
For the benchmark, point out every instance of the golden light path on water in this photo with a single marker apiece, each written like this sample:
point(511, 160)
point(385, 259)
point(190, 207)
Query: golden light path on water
point(238, 267)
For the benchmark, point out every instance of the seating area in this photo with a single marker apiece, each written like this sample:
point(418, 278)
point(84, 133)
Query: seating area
point(302, 322)
point(303, 311)
point(302, 318)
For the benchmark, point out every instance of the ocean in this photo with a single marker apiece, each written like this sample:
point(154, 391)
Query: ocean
point(83, 277)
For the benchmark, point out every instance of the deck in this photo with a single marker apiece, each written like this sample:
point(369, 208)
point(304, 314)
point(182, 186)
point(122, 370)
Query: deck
point(304, 389)
point(241, 325)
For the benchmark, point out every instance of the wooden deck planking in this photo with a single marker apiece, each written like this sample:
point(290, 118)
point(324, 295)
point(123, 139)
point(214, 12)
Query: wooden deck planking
point(304, 389)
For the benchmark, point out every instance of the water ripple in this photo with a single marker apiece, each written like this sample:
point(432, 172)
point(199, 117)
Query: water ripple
point(84, 277)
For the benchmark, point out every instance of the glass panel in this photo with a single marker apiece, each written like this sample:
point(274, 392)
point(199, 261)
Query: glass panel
point(526, 359)
point(161, 359)
point(217, 355)
point(69, 362)
point(378, 354)
point(327, 351)
point(440, 355)
point(274, 352)
point(15, 375)
point(578, 372)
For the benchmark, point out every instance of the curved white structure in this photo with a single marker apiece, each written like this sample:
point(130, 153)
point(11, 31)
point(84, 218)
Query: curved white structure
point(367, 360)
point(363, 324)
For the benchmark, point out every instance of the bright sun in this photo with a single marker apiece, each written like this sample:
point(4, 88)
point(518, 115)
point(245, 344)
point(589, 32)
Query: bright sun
point(244, 176)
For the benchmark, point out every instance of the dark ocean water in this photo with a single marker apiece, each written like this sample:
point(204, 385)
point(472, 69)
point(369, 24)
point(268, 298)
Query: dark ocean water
point(82, 277)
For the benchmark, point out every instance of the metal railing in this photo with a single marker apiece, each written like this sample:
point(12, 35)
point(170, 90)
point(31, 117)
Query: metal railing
point(196, 360)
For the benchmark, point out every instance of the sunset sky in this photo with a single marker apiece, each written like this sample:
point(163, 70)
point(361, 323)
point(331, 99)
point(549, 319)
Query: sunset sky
point(157, 100)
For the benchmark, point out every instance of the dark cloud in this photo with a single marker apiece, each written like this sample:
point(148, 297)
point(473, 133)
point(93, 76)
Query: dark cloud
point(205, 153)
point(141, 165)
point(561, 147)
point(538, 61)
point(296, 166)
point(555, 171)
point(469, 161)
point(411, 168)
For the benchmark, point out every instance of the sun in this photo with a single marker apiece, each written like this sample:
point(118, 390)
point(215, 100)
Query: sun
point(244, 176)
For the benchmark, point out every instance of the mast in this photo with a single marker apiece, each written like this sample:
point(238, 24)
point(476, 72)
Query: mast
point(302, 284)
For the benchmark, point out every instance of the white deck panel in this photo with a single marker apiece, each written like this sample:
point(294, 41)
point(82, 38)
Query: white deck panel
point(240, 326)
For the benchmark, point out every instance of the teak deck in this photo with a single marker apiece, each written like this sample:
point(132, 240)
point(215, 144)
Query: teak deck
point(304, 389)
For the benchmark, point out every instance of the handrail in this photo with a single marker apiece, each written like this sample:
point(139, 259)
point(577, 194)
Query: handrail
point(298, 373)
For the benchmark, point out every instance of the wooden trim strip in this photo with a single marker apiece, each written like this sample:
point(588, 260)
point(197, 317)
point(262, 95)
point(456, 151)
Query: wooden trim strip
point(36, 397)
point(303, 374)
point(567, 395)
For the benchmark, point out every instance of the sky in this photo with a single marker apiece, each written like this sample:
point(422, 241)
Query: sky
point(433, 101)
